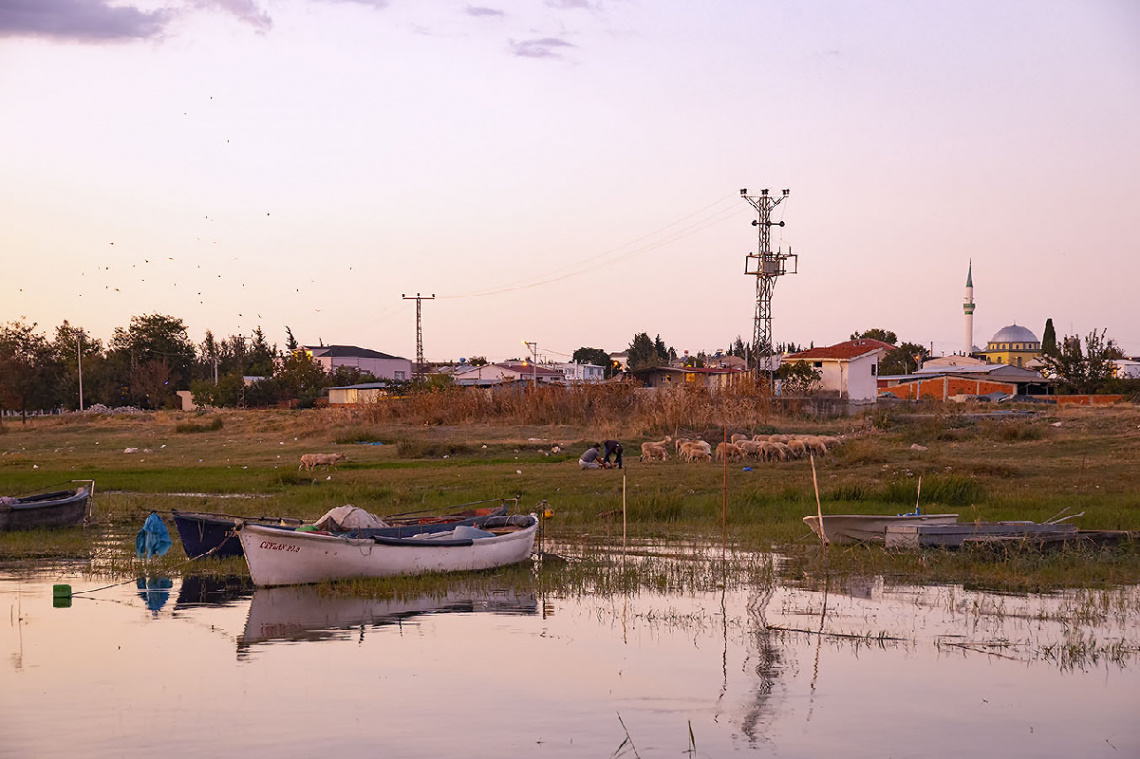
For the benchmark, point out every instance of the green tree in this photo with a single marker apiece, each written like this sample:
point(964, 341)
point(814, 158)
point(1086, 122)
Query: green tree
point(159, 357)
point(663, 352)
point(290, 341)
point(262, 357)
point(68, 344)
point(798, 377)
point(738, 349)
point(1049, 339)
point(876, 333)
point(30, 370)
point(904, 359)
point(301, 378)
point(477, 361)
point(642, 353)
point(1084, 371)
point(595, 356)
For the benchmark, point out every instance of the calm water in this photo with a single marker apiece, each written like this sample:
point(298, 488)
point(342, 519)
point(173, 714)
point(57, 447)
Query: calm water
point(194, 667)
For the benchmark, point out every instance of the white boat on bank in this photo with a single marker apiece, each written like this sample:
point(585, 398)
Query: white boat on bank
point(863, 528)
point(286, 557)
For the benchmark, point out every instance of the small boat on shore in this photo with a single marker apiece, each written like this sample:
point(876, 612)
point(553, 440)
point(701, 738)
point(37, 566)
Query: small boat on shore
point(292, 557)
point(59, 508)
point(216, 534)
point(844, 529)
point(958, 534)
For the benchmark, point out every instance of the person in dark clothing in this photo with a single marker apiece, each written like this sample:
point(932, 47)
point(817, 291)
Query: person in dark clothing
point(613, 448)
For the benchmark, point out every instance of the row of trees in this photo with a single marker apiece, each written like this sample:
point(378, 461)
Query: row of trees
point(146, 362)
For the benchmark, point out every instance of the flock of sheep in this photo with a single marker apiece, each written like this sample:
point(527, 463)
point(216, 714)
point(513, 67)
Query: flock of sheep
point(759, 447)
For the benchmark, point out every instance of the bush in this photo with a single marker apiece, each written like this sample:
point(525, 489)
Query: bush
point(190, 427)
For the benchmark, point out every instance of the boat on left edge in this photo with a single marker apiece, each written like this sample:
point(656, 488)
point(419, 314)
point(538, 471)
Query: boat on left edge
point(59, 508)
point(291, 557)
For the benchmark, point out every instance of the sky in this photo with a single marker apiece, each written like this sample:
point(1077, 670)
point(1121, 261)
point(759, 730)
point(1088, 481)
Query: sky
point(568, 172)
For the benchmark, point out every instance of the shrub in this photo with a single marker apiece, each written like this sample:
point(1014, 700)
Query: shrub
point(190, 427)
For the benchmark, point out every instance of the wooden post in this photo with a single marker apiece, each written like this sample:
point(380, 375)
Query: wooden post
point(818, 507)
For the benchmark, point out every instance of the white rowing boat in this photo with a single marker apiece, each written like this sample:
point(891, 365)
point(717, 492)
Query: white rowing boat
point(286, 557)
point(863, 528)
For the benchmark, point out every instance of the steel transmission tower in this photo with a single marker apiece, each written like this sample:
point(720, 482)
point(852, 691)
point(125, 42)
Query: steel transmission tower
point(418, 369)
point(766, 266)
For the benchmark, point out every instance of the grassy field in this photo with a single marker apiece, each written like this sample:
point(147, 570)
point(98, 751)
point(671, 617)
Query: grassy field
point(982, 467)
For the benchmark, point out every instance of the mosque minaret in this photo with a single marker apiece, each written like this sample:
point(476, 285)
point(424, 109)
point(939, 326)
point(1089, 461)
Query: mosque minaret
point(968, 307)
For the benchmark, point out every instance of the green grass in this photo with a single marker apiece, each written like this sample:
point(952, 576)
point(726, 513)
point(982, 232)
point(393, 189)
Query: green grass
point(980, 468)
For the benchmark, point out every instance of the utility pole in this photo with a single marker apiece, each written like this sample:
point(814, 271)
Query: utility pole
point(79, 358)
point(533, 362)
point(418, 370)
point(766, 266)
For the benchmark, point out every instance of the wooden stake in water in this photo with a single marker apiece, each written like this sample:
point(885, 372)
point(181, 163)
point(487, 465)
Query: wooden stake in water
point(623, 517)
point(918, 497)
point(818, 507)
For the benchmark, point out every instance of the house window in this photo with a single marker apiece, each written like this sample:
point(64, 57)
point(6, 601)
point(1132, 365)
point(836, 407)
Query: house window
point(817, 364)
point(874, 369)
point(399, 375)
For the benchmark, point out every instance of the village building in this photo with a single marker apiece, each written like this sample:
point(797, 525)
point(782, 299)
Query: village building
point(506, 373)
point(849, 369)
point(1013, 345)
point(713, 378)
point(379, 365)
point(962, 382)
point(575, 372)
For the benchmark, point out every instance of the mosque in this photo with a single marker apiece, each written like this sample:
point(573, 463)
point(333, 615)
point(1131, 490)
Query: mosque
point(1014, 345)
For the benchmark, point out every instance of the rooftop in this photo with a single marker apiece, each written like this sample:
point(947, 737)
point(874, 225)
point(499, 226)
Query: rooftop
point(844, 351)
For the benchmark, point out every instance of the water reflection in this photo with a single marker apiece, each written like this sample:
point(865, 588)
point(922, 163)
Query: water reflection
point(155, 592)
point(212, 590)
point(306, 613)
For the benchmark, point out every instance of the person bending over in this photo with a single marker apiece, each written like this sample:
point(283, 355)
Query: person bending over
point(590, 459)
point(613, 448)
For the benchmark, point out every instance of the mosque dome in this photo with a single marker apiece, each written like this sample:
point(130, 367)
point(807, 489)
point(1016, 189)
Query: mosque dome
point(1014, 334)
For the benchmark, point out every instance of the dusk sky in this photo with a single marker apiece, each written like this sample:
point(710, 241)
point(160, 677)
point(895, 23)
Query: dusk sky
point(568, 172)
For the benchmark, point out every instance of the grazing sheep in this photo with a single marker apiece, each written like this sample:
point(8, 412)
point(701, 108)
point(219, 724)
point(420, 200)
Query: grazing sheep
point(312, 460)
point(737, 437)
point(678, 443)
point(830, 441)
point(760, 438)
point(779, 450)
point(693, 451)
point(728, 451)
point(815, 445)
point(779, 439)
point(751, 448)
point(651, 450)
point(798, 449)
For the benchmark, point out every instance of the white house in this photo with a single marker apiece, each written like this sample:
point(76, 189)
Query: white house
point(499, 374)
point(1123, 368)
point(850, 369)
point(578, 372)
point(381, 365)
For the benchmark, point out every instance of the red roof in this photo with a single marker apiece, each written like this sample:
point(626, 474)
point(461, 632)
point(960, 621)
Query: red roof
point(844, 351)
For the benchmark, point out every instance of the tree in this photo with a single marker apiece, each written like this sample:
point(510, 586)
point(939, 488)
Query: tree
point(595, 356)
point(1049, 339)
point(876, 333)
point(300, 377)
point(904, 359)
point(154, 338)
point(798, 377)
point(290, 341)
point(68, 344)
point(663, 353)
point(738, 348)
point(30, 370)
point(642, 353)
point(262, 357)
point(1084, 371)
point(477, 361)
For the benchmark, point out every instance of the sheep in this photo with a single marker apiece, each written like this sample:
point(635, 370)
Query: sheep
point(779, 439)
point(830, 441)
point(797, 448)
point(728, 451)
point(678, 443)
point(774, 451)
point(310, 461)
point(815, 445)
point(651, 450)
point(751, 448)
point(737, 437)
point(760, 438)
point(693, 451)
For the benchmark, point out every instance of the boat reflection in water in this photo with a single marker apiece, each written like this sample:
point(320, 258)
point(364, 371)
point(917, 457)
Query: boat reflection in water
point(212, 590)
point(305, 612)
